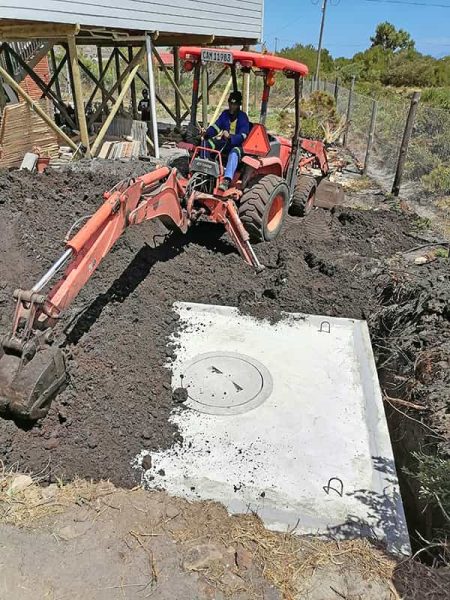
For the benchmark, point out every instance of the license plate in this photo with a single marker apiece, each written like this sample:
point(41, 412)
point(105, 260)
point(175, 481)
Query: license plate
point(217, 56)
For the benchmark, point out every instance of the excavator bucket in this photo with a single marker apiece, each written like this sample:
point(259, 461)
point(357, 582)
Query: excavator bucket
point(27, 387)
point(328, 194)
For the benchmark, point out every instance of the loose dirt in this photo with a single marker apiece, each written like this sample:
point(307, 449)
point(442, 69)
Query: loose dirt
point(119, 398)
point(93, 540)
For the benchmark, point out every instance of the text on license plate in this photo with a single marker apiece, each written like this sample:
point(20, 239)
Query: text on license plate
point(217, 56)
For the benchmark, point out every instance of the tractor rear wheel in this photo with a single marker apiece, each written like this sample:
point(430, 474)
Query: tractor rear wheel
point(264, 207)
point(304, 196)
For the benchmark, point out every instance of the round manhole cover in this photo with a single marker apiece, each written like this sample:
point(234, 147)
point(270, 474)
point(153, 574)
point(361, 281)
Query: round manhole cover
point(225, 383)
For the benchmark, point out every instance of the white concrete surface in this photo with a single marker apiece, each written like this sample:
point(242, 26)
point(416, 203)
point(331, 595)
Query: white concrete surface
point(315, 455)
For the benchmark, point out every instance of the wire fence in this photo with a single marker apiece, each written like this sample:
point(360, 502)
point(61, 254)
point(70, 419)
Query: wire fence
point(427, 165)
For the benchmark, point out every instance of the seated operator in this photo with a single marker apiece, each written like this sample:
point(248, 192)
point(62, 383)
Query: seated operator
point(234, 127)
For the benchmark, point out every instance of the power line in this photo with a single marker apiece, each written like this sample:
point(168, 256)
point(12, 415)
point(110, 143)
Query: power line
point(410, 3)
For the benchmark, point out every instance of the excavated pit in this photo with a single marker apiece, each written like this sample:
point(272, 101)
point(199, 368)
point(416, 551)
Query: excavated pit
point(119, 397)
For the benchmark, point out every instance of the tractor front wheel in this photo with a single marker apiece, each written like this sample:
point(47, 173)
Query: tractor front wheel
point(304, 196)
point(263, 208)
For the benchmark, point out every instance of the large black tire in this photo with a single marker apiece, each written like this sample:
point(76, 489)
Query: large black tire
point(304, 195)
point(264, 207)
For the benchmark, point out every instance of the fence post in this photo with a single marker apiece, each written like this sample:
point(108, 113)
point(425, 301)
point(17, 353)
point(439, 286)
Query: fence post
point(373, 120)
point(349, 110)
point(405, 142)
point(311, 83)
point(336, 90)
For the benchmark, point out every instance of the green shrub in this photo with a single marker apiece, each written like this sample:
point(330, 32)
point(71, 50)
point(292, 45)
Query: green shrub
point(437, 96)
point(438, 181)
point(433, 475)
point(420, 161)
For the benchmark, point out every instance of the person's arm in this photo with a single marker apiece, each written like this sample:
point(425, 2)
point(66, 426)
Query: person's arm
point(242, 132)
point(140, 106)
point(215, 128)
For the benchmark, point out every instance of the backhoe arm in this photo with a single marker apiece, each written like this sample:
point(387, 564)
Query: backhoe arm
point(31, 371)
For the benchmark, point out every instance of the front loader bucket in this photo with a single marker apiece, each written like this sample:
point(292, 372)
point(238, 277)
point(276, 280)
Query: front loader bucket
point(27, 388)
point(328, 194)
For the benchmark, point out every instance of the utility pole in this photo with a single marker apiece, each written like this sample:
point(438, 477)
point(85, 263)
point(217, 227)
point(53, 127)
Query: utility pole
point(276, 44)
point(319, 47)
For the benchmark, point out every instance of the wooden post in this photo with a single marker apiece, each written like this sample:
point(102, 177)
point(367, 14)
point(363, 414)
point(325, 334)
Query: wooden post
point(55, 71)
point(336, 90)
point(115, 108)
point(176, 75)
point(55, 79)
point(8, 61)
point(152, 95)
point(311, 85)
point(79, 104)
point(100, 72)
point(117, 65)
point(37, 109)
point(109, 94)
point(133, 88)
point(91, 75)
point(100, 84)
point(373, 120)
point(405, 142)
point(225, 93)
point(170, 78)
point(71, 83)
point(3, 99)
point(349, 111)
point(205, 96)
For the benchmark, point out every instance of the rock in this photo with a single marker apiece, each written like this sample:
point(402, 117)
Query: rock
point(51, 444)
point(49, 492)
point(92, 443)
point(180, 395)
point(244, 558)
point(72, 531)
point(20, 483)
point(230, 580)
point(147, 462)
point(201, 557)
point(161, 472)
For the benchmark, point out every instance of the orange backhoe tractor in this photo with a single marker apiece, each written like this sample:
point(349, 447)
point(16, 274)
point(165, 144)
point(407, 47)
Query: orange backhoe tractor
point(275, 175)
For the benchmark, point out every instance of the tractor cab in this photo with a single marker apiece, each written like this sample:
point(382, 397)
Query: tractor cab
point(259, 143)
point(291, 169)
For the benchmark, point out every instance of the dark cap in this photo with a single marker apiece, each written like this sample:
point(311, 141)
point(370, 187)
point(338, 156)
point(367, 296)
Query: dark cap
point(235, 97)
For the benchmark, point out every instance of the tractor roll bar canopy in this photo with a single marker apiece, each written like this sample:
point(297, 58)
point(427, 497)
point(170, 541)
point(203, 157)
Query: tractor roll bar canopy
point(265, 62)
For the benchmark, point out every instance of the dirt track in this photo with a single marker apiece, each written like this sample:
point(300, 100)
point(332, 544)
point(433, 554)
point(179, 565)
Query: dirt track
point(119, 399)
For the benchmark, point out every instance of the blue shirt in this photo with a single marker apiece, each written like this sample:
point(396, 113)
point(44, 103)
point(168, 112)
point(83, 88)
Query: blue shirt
point(224, 123)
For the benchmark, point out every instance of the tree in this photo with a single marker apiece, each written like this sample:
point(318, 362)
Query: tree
point(390, 38)
point(308, 56)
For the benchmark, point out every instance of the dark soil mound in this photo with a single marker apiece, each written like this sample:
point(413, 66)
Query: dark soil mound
point(119, 397)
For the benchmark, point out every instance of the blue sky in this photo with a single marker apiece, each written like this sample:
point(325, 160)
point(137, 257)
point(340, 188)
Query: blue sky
point(350, 23)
